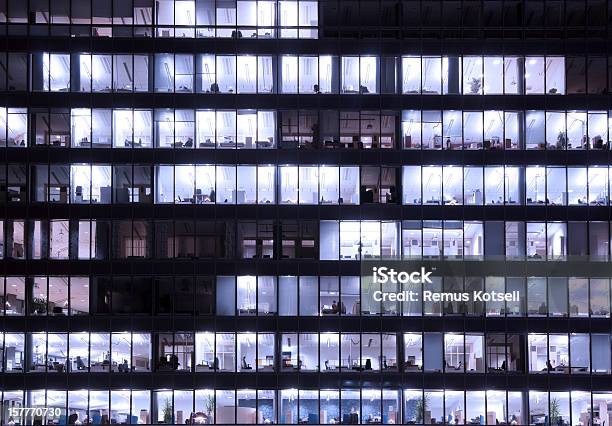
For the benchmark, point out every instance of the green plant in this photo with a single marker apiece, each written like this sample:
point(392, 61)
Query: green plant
point(209, 404)
point(475, 85)
point(421, 406)
point(554, 411)
point(167, 411)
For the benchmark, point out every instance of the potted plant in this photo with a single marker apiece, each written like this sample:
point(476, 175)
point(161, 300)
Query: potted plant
point(475, 85)
point(209, 405)
point(554, 414)
point(421, 407)
point(167, 412)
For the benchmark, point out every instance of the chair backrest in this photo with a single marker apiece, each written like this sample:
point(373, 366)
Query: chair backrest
point(313, 419)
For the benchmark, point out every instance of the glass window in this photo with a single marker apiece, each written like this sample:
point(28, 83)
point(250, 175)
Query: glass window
point(288, 18)
point(472, 185)
point(226, 129)
point(556, 137)
point(577, 185)
point(516, 308)
point(78, 352)
point(14, 353)
point(453, 185)
point(432, 75)
point(493, 129)
point(579, 353)
point(535, 178)
point(452, 131)
point(56, 68)
point(597, 130)
point(433, 345)
point(226, 73)
point(247, 352)
point(411, 75)
point(473, 75)
point(122, 73)
point(265, 76)
point(17, 70)
point(411, 129)
point(205, 352)
point(368, 74)
point(101, 135)
point(308, 351)
point(555, 75)
point(17, 126)
point(432, 188)
point(413, 352)
point(308, 296)
point(600, 344)
point(535, 135)
point(581, 406)
point(557, 296)
point(206, 77)
point(454, 405)
point(556, 240)
point(536, 297)
point(411, 184)
point(599, 297)
point(100, 75)
point(350, 74)
point(577, 137)
point(309, 185)
point(538, 353)
point(205, 129)
point(329, 355)
point(596, 75)
point(308, 74)
point(288, 301)
point(226, 185)
point(308, 18)
point(14, 296)
point(288, 184)
point(496, 72)
point(598, 186)
point(538, 405)
point(328, 80)
point(289, 73)
point(432, 130)
point(534, 75)
point(247, 74)
point(512, 136)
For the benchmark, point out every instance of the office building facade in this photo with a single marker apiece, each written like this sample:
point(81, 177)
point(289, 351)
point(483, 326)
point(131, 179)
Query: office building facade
point(191, 191)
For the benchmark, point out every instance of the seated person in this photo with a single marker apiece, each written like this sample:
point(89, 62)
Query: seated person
point(244, 365)
point(80, 365)
point(123, 367)
point(174, 362)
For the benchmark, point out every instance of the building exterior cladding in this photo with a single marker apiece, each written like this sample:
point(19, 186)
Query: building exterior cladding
point(189, 190)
